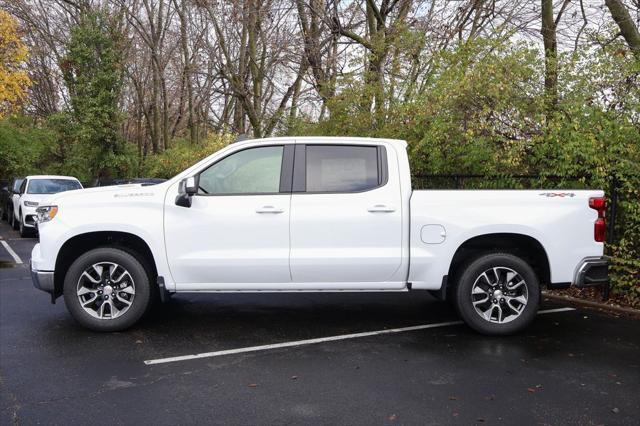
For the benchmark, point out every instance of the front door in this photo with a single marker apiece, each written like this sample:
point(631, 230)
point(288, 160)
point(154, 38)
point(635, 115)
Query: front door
point(235, 235)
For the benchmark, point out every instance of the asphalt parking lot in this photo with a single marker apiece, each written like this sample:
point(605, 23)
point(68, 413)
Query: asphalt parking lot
point(571, 367)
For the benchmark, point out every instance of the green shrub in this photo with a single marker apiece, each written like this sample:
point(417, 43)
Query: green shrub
point(482, 112)
point(181, 155)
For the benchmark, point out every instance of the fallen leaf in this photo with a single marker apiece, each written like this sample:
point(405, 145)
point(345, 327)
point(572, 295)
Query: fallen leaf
point(392, 418)
point(490, 398)
point(616, 410)
point(253, 385)
point(480, 420)
point(453, 398)
point(455, 414)
point(531, 390)
point(294, 377)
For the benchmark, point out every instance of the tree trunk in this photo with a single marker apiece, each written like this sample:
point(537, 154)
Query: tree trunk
point(550, 56)
point(182, 14)
point(628, 29)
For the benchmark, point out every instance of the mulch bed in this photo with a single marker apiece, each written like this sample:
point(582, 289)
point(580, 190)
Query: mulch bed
point(592, 296)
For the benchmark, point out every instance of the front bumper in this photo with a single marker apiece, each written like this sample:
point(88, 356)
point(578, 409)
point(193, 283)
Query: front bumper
point(592, 271)
point(42, 280)
point(30, 216)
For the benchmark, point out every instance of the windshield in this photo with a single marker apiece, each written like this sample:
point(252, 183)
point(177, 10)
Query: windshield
point(16, 185)
point(52, 186)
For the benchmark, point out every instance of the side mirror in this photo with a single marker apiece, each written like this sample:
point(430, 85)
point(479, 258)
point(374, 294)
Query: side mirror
point(187, 188)
point(191, 185)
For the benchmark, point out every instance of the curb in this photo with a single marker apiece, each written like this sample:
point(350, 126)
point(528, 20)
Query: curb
point(592, 304)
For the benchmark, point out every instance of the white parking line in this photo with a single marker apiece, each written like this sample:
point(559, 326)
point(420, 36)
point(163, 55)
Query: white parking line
point(319, 340)
point(13, 254)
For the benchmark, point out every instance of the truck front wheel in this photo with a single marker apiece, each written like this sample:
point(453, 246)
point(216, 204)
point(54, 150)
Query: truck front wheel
point(497, 294)
point(107, 289)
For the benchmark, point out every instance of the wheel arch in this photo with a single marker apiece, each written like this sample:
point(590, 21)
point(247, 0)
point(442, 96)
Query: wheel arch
point(521, 245)
point(131, 243)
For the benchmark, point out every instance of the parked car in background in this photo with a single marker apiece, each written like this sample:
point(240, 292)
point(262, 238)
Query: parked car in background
point(33, 190)
point(126, 181)
point(7, 197)
point(4, 195)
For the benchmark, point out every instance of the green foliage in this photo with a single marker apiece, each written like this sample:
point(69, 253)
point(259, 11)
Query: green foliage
point(181, 155)
point(93, 72)
point(23, 146)
point(482, 111)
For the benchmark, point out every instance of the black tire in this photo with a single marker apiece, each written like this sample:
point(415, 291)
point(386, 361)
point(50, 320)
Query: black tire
point(139, 304)
point(14, 222)
point(3, 213)
point(24, 231)
point(473, 270)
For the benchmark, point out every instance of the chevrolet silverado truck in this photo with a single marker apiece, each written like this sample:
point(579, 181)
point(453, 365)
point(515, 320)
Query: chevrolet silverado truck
point(315, 214)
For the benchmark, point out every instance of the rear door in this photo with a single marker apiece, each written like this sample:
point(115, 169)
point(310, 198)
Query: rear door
point(346, 217)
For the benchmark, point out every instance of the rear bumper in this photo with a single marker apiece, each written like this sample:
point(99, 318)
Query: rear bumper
point(42, 280)
point(592, 271)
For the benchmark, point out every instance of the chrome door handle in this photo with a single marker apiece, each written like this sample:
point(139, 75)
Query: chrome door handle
point(381, 208)
point(269, 209)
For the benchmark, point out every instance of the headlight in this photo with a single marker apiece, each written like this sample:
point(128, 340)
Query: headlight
point(46, 213)
point(31, 204)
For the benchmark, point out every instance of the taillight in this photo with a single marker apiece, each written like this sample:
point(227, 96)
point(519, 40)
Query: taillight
point(600, 227)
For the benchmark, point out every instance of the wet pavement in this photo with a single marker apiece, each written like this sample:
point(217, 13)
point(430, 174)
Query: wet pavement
point(577, 367)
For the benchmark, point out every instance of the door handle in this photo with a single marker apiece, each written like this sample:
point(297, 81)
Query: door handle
point(269, 209)
point(381, 208)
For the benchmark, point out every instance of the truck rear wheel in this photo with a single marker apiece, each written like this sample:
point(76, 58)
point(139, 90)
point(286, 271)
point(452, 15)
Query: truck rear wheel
point(107, 289)
point(497, 294)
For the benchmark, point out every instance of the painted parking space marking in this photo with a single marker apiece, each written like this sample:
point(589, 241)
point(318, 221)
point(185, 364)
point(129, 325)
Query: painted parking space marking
point(319, 340)
point(13, 254)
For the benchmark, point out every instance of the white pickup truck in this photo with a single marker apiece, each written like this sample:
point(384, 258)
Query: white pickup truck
point(314, 214)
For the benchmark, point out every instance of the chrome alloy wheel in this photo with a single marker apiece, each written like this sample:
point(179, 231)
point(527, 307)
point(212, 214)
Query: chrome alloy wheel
point(499, 295)
point(106, 290)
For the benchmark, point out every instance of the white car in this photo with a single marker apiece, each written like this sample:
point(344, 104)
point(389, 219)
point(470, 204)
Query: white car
point(33, 190)
point(317, 214)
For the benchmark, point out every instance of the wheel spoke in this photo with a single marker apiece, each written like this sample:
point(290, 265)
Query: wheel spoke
point(496, 271)
point(113, 311)
point(119, 279)
point(85, 290)
point(110, 276)
point(123, 300)
point(90, 278)
point(128, 289)
point(90, 301)
point(516, 285)
point(478, 290)
point(480, 301)
point(522, 301)
point(499, 312)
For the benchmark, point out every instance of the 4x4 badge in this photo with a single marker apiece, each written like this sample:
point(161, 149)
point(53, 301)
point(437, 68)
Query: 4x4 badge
point(558, 194)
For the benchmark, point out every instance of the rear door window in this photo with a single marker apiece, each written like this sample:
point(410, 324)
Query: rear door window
point(342, 168)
